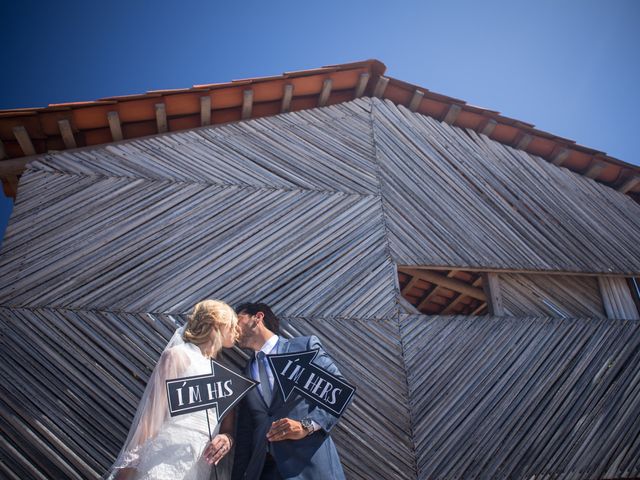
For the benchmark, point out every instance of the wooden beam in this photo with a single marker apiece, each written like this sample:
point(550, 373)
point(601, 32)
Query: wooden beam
point(433, 292)
point(452, 114)
point(446, 282)
point(595, 169)
point(325, 92)
point(440, 268)
point(410, 284)
point(286, 98)
point(416, 100)
point(381, 86)
point(489, 127)
point(493, 291)
point(559, 157)
point(428, 297)
point(362, 84)
point(247, 104)
point(629, 184)
point(114, 125)
point(205, 110)
point(3, 152)
point(524, 142)
point(459, 298)
point(24, 140)
point(14, 166)
point(67, 134)
point(161, 118)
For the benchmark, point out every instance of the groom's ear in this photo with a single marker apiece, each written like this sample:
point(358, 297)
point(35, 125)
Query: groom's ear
point(260, 317)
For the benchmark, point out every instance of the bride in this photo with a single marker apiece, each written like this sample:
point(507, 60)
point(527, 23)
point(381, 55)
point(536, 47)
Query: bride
point(163, 447)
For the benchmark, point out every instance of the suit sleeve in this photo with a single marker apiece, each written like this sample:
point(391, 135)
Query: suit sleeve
point(323, 418)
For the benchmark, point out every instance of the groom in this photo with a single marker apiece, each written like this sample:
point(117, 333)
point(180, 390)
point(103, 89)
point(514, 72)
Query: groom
point(290, 440)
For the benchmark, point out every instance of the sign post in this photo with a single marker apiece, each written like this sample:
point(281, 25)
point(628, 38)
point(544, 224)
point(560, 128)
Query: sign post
point(221, 390)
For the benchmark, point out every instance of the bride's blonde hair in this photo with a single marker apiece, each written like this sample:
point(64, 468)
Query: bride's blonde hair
point(209, 315)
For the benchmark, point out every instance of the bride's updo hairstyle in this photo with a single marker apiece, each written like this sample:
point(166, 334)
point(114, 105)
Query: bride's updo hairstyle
point(209, 315)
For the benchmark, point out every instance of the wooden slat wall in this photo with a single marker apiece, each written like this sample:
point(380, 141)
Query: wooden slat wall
point(618, 302)
point(326, 149)
point(108, 247)
point(456, 198)
point(551, 295)
point(373, 438)
point(156, 246)
point(524, 398)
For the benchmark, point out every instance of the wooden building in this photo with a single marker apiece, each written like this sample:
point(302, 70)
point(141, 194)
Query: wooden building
point(474, 276)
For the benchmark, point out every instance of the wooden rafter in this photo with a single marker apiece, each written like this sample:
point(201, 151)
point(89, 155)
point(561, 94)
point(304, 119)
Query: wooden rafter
point(447, 282)
point(286, 98)
point(114, 126)
point(326, 91)
point(205, 110)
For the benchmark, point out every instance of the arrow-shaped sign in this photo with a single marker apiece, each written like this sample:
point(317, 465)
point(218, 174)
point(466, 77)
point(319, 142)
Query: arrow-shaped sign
point(221, 390)
point(294, 371)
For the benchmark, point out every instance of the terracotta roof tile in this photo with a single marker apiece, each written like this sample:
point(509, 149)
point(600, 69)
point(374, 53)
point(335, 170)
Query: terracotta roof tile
point(137, 116)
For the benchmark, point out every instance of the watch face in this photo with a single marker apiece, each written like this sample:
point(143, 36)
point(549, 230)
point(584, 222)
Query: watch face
point(306, 424)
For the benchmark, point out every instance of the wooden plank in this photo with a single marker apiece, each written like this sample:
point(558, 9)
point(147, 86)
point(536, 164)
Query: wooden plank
point(161, 118)
point(67, 134)
point(488, 127)
point(559, 156)
point(629, 184)
point(3, 152)
point(494, 293)
point(441, 268)
point(363, 80)
point(22, 136)
point(452, 114)
point(418, 95)
point(247, 104)
point(114, 125)
point(381, 86)
point(325, 92)
point(205, 110)
point(286, 98)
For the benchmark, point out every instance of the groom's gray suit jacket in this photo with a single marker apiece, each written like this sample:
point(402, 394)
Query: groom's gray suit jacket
point(313, 457)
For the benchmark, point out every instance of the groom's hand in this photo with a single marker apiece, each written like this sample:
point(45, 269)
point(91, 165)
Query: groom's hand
point(286, 429)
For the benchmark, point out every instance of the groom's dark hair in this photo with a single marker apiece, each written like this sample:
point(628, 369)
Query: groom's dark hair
point(270, 319)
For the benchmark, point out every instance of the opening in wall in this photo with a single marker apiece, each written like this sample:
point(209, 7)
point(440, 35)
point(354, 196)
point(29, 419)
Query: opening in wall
point(453, 292)
point(438, 291)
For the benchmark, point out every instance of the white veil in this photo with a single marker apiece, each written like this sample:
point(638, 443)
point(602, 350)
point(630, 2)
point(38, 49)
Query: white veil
point(153, 408)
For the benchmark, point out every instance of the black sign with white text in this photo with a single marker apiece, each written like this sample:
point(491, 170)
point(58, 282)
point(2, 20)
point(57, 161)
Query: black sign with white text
point(220, 390)
point(294, 371)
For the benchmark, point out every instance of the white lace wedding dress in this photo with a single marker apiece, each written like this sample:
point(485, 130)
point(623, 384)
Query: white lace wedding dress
point(161, 447)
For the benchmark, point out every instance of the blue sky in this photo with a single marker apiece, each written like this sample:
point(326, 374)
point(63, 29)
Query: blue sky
point(570, 67)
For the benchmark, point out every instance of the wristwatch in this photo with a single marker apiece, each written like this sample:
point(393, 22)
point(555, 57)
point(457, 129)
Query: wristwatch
point(307, 424)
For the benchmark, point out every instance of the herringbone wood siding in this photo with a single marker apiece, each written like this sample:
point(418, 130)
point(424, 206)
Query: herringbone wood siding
point(109, 247)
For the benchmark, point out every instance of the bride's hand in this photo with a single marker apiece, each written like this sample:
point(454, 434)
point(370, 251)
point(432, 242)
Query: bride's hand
point(218, 448)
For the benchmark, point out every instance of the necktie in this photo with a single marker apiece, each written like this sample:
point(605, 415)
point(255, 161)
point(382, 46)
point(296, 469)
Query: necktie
point(264, 378)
